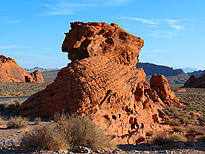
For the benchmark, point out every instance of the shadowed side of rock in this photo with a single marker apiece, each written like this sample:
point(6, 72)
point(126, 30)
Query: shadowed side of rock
point(194, 82)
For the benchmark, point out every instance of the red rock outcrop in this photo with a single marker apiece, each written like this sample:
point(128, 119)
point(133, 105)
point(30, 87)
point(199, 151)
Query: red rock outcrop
point(194, 82)
point(103, 83)
point(10, 71)
point(37, 76)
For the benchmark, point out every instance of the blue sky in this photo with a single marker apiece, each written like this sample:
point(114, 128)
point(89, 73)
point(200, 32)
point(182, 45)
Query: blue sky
point(32, 32)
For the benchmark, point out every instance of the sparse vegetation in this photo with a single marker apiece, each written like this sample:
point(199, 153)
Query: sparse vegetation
point(160, 140)
point(17, 122)
point(178, 137)
point(20, 89)
point(64, 135)
point(178, 129)
point(37, 120)
point(149, 133)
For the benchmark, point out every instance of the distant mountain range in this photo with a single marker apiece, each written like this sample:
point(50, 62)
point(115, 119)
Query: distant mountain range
point(174, 76)
point(41, 69)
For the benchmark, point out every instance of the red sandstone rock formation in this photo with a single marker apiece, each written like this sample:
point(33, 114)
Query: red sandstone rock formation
point(37, 76)
point(194, 82)
point(103, 83)
point(10, 71)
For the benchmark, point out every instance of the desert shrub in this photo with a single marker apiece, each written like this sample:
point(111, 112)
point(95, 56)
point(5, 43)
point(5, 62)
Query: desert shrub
point(160, 140)
point(178, 129)
point(175, 122)
point(60, 117)
point(149, 133)
point(178, 137)
point(17, 122)
point(199, 132)
point(75, 131)
point(203, 139)
point(37, 120)
point(47, 137)
point(193, 130)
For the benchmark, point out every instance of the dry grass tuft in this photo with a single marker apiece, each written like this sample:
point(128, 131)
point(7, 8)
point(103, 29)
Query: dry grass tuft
point(74, 131)
point(37, 120)
point(178, 137)
point(17, 122)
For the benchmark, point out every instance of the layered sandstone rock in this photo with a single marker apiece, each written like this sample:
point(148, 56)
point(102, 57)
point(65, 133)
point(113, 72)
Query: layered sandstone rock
point(103, 83)
point(10, 71)
point(194, 82)
point(37, 76)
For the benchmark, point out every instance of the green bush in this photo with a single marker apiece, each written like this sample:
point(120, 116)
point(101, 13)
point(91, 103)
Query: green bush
point(17, 122)
point(178, 137)
point(75, 131)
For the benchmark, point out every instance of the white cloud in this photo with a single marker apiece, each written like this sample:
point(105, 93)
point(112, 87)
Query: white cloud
point(162, 34)
point(14, 47)
point(71, 8)
point(8, 21)
point(170, 22)
point(178, 27)
point(146, 21)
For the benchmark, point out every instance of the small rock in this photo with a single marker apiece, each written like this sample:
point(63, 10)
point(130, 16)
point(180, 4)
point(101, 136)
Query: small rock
point(5, 144)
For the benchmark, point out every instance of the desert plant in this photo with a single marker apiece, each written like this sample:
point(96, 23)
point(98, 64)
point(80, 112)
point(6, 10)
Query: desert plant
point(17, 122)
point(175, 122)
point(203, 139)
point(178, 137)
point(199, 132)
point(160, 140)
point(47, 137)
point(149, 133)
point(178, 129)
point(60, 117)
point(37, 120)
point(193, 130)
point(74, 131)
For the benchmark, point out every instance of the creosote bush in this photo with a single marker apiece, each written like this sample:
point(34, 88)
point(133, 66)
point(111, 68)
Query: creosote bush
point(160, 140)
point(178, 137)
point(17, 122)
point(74, 131)
point(178, 129)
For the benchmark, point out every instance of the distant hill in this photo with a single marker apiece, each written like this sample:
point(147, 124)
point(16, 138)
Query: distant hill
point(41, 69)
point(196, 73)
point(150, 69)
point(174, 76)
point(189, 69)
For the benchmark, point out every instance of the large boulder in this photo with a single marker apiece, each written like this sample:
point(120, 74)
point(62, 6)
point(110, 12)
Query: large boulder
point(102, 82)
point(10, 71)
point(194, 82)
point(37, 76)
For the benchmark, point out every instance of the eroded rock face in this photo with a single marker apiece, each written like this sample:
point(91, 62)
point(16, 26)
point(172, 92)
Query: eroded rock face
point(194, 82)
point(37, 76)
point(160, 84)
point(10, 71)
point(103, 83)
